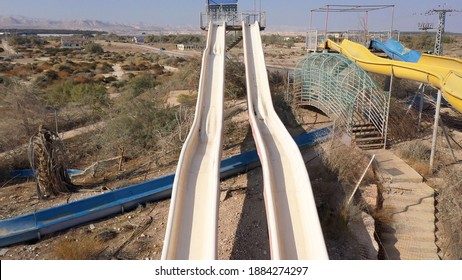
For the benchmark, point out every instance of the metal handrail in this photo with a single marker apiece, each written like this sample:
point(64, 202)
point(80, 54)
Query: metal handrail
point(232, 18)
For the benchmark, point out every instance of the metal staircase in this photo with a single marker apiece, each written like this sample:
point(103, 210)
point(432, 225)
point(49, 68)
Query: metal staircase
point(366, 136)
point(234, 43)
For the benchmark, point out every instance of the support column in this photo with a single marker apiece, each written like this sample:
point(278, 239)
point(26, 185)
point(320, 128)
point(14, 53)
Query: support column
point(448, 141)
point(435, 130)
point(385, 132)
point(421, 103)
point(327, 20)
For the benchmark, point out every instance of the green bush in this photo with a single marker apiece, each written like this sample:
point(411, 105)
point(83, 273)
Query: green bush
point(93, 95)
point(5, 81)
point(140, 84)
point(141, 125)
point(94, 48)
point(47, 77)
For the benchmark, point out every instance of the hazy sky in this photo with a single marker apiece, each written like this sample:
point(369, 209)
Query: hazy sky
point(279, 13)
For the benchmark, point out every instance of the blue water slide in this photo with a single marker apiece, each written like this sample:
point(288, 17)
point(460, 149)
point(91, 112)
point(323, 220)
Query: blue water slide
point(33, 226)
point(395, 50)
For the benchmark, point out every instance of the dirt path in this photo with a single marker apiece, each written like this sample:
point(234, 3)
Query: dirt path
point(7, 48)
point(118, 71)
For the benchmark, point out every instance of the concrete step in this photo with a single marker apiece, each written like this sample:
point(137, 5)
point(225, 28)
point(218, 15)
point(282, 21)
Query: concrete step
point(411, 235)
point(394, 169)
point(370, 146)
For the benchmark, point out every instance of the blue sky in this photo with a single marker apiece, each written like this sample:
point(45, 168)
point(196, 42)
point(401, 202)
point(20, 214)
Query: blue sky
point(186, 12)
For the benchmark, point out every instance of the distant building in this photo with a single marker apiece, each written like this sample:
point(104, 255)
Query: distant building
point(74, 43)
point(182, 47)
point(138, 39)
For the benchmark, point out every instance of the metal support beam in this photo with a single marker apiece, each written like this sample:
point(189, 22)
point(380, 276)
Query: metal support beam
point(446, 136)
point(435, 131)
point(327, 21)
point(421, 103)
point(385, 133)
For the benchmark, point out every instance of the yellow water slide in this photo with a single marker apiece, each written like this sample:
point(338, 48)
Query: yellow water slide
point(443, 73)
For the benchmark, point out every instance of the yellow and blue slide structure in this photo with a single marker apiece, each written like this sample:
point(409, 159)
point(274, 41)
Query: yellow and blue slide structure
point(441, 72)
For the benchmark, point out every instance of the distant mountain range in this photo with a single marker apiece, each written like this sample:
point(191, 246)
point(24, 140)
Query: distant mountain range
point(21, 22)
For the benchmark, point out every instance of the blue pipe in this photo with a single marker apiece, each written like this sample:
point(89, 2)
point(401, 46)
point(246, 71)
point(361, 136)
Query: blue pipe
point(33, 226)
point(26, 173)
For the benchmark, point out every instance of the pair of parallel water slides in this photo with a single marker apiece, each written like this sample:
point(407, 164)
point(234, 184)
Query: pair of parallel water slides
point(293, 223)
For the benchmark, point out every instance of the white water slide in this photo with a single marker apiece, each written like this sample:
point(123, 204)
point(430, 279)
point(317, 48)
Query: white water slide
point(293, 223)
point(192, 223)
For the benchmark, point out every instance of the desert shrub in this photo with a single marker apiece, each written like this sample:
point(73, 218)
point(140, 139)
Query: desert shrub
point(87, 248)
point(187, 78)
point(5, 67)
point(63, 74)
point(448, 39)
point(94, 48)
point(140, 84)
point(90, 94)
point(93, 95)
point(120, 84)
point(235, 79)
point(46, 78)
point(82, 78)
point(5, 81)
point(187, 99)
point(157, 69)
point(348, 162)
point(21, 71)
point(450, 207)
point(142, 125)
point(415, 151)
point(103, 67)
point(128, 66)
point(60, 93)
point(22, 111)
point(402, 124)
point(423, 42)
point(57, 51)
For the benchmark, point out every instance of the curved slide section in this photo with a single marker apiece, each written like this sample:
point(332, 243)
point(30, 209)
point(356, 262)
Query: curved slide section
point(192, 223)
point(293, 223)
point(395, 50)
point(441, 61)
point(447, 79)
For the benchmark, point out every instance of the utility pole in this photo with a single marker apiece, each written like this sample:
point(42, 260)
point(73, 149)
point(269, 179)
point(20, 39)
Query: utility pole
point(441, 25)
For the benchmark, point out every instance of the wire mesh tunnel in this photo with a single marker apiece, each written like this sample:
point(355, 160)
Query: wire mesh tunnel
point(341, 89)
